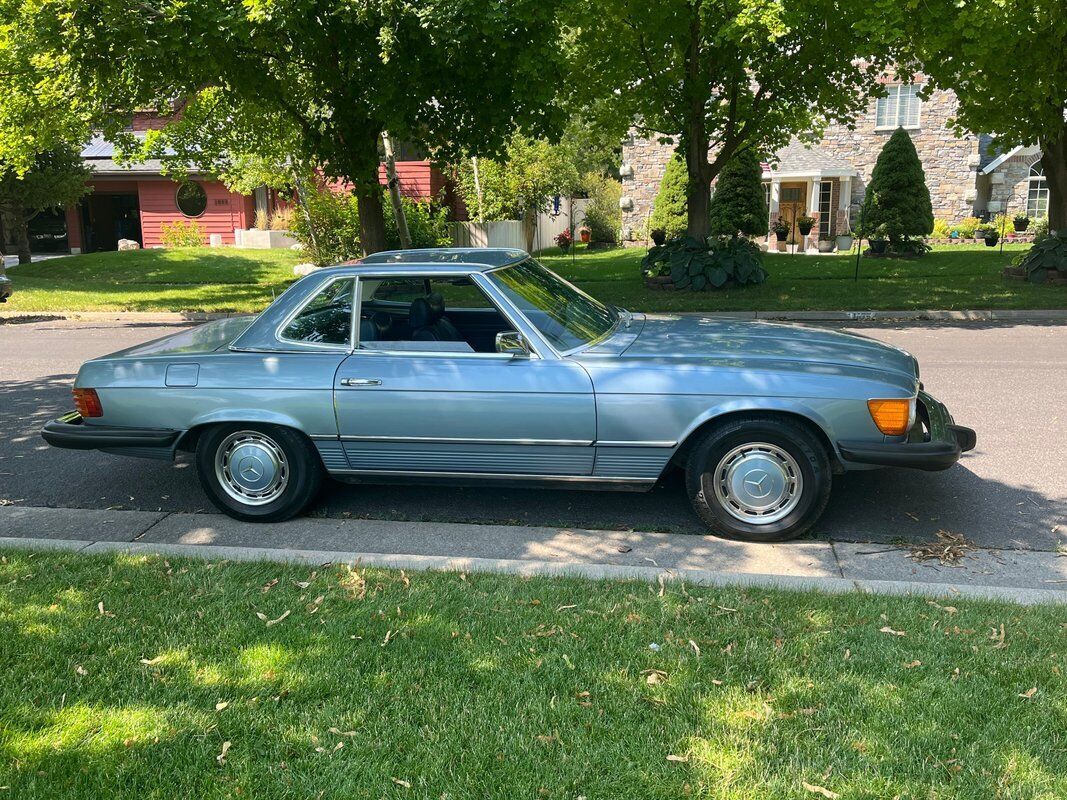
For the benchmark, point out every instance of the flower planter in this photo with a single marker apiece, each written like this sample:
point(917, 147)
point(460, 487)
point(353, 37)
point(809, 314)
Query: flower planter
point(992, 241)
point(585, 237)
point(256, 239)
point(1021, 226)
point(804, 230)
point(879, 246)
point(844, 243)
point(826, 246)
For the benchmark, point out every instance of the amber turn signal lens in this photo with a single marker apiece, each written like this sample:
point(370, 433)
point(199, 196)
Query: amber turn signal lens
point(88, 403)
point(893, 417)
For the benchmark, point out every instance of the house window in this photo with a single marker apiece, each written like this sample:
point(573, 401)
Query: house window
point(826, 189)
point(1037, 193)
point(899, 108)
point(191, 199)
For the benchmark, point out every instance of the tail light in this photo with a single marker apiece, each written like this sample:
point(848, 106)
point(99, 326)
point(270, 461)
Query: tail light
point(893, 417)
point(88, 403)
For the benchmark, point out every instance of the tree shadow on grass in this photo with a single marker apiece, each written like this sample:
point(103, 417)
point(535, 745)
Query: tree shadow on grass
point(487, 686)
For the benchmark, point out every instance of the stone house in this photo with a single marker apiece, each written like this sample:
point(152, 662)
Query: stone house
point(828, 179)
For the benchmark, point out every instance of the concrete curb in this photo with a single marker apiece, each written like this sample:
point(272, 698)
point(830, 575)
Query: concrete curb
point(550, 569)
point(929, 315)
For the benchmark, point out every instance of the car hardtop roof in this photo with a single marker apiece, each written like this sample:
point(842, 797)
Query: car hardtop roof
point(481, 258)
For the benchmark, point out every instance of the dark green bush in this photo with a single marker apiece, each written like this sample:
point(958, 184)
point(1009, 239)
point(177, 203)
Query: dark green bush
point(670, 212)
point(897, 205)
point(738, 205)
point(427, 224)
point(1048, 254)
point(332, 233)
point(718, 264)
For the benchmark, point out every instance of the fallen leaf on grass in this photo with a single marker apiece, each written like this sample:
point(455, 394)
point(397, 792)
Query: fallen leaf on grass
point(889, 630)
point(221, 757)
point(815, 789)
point(221, 706)
point(151, 662)
point(80, 670)
point(565, 608)
point(946, 609)
point(270, 622)
point(269, 585)
point(654, 676)
point(912, 664)
point(399, 782)
point(314, 606)
point(339, 732)
point(103, 613)
point(998, 637)
point(678, 759)
point(695, 646)
point(1029, 694)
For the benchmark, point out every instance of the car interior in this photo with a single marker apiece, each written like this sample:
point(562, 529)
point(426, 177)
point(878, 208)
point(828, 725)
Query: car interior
point(450, 315)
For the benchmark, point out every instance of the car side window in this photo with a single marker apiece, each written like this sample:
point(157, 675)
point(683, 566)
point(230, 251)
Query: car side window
point(326, 319)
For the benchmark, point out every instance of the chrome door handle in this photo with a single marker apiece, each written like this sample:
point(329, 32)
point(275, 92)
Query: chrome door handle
point(360, 382)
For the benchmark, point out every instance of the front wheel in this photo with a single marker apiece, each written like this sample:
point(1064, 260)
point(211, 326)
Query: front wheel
point(759, 479)
point(258, 473)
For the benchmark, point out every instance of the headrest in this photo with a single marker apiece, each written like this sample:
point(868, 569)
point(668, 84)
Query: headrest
point(421, 314)
point(383, 322)
point(437, 304)
point(368, 331)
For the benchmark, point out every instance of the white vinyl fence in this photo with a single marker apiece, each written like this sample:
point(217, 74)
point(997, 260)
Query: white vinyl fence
point(508, 232)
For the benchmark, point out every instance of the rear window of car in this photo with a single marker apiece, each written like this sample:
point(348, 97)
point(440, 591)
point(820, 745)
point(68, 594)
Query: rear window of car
point(326, 319)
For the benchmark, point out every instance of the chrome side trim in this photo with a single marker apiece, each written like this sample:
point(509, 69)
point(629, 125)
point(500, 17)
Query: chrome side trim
point(522, 476)
point(435, 439)
point(635, 444)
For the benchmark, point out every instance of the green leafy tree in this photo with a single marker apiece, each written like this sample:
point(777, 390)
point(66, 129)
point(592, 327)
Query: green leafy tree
point(670, 211)
point(724, 76)
point(1010, 75)
point(897, 203)
point(316, 82)
point(602, 213)
point(738, 205)
point(55, 181)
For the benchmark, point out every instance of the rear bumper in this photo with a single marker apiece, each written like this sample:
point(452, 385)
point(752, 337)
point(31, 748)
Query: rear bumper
point(935, 443)
point(71, 432)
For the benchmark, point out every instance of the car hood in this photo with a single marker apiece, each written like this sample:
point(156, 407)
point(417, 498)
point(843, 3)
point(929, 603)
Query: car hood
point(206, 338)
point(668, 337)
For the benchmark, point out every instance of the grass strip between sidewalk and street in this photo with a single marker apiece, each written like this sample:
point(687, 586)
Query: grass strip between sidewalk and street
point(958, 277)
point(132, 676)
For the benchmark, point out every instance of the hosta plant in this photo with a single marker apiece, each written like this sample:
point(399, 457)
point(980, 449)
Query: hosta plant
point(1046, 256)
point(718, 263)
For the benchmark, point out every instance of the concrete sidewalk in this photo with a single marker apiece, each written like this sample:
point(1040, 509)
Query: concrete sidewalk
point(1021, 576)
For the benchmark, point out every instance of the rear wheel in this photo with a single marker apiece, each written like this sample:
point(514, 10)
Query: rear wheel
point(258, 473)
point(759, 479)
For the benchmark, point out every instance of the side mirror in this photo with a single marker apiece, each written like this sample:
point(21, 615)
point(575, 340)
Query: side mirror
point(514, 343)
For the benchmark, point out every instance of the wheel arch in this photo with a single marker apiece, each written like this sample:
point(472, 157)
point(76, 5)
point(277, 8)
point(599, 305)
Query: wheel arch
point(187, 441)
point(811, 420)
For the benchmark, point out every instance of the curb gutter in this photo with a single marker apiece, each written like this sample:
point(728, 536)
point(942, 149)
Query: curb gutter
point(524, 567)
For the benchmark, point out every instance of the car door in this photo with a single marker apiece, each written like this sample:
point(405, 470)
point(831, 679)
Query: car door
point(442, 408)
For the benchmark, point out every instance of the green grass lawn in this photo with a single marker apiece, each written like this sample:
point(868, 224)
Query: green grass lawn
point(193, 279)
point(143, 677)
point(955, 277)
point(962, 277)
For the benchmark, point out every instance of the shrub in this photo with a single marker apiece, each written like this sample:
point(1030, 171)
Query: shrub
point(897, 205)
point(332, 233)
point(720, 263)
point(261, 220)
point(966, 227)
point(1047, 255)
point(282, 219)
point(564, 240)
point(670, 212)
point(182, 234)
point(602, 213)
point(427, 224)
point(1039, 227)
point(738, 205)
point(942, 230)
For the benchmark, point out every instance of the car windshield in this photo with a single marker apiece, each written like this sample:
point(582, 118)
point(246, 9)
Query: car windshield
point(566, 316)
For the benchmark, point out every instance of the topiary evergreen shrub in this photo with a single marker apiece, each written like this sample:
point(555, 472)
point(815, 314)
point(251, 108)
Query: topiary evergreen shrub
point(738, 205)
point(720, 263)
point(670, 213)
point(897, 205)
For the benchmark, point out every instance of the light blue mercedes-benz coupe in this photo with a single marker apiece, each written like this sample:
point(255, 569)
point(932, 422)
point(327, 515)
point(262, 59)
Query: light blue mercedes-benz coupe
point(483, 366)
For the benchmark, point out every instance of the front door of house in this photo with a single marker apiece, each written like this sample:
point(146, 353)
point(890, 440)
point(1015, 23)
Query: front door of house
point(793, 203)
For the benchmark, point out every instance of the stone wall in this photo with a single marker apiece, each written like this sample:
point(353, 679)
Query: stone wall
point(950, 163)
point(644, 162)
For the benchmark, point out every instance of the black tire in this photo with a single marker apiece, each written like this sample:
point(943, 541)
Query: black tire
point(284, 450)
point(805, 466)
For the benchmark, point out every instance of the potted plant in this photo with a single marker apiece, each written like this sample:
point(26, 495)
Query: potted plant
point(1022, 222)
point(826, 244)
point(781, 229)
point(845, 241)
point(564, 240)
point(991, 239)
point(804, 224)
point(584, 234)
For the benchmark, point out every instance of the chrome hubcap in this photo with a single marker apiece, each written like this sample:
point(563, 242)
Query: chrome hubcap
point(251, 468)
point(758, 483)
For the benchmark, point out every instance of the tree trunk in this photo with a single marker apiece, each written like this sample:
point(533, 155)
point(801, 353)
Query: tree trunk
point(1054, 162)
point(21, 223)
point(361, 168)
point(695, 137)
point(529, 227)
point(394, 193)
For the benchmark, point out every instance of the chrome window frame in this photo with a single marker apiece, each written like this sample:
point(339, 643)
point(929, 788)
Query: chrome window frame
point(332, 348)
point(505, 309)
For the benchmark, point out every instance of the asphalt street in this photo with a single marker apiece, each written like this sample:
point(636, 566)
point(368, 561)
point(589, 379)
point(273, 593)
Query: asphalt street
point(1007, 381)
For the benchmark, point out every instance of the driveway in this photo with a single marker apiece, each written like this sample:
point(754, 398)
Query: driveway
point(1007, 381)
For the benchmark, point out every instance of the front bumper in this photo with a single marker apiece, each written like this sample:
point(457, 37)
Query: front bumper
point(935, 442)
point(71, 432)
